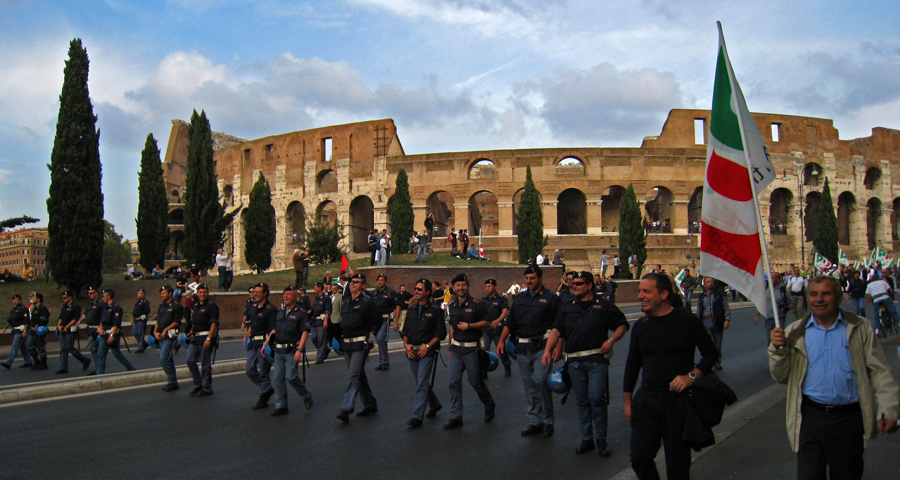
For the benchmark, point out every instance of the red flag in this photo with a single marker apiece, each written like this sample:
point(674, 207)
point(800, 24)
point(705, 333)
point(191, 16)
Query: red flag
point(345, 264)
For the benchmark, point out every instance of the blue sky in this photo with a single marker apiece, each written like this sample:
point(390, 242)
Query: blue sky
point(454, 75)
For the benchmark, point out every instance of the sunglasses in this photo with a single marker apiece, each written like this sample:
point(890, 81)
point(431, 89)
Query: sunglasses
point(356, 281)
point(420, 289)
point(576, 284)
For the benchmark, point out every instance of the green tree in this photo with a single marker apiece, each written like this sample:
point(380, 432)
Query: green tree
point(116, 250)
point(259, 229)
point(402, 217)
point(632, 233)
point(530, 221)
point(75, 201)
point(153, 208)
point(16, 221)
point(323, 240)
point(826, 240)
point(205, 219)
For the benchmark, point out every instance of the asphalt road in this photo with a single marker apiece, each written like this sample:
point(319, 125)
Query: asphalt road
point(143, 432)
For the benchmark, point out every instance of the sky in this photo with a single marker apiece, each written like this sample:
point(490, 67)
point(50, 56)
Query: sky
point(455, 75)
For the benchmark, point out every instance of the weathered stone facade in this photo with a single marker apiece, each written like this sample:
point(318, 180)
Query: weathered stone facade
point(348, 173)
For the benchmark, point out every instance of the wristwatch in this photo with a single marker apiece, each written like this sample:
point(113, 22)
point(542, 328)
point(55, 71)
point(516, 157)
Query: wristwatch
point(692, 375)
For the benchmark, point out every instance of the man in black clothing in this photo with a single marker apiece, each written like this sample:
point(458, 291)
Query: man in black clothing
point(360, 322)
point(498, 307)
point(321, 312)
point(663, 343)
point(856, 293)
point(385, 300)
point(203, 337)
point(38, 316)
point(65, 326)
point(260, 322)
point(422, 334)
point(90, 315)
point(18, 321)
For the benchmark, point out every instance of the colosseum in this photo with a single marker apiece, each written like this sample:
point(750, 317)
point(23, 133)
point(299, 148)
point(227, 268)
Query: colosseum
point(348, 172)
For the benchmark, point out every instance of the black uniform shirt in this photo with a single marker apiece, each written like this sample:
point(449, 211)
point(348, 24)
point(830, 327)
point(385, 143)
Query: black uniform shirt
point(358, 318)
point(385, 299)
point(424, 322)
point(290, 325)
point(167, 314)
point(141, 307)
point(468, 311)
point(321, 306)
point(494, 306)
point(262, 319)
point(584, 325)
point(403, 300)
point(92, 312)
point(203, 316)
point(38, 316)
point(533, 315)
point(111, 317)
point(69, 313)
point(18, 316)
point(249, 309)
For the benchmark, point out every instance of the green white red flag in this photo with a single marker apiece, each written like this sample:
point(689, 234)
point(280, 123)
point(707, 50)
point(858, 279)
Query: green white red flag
point(737, 170)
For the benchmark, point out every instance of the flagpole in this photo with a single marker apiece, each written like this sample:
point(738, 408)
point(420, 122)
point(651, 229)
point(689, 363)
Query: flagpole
point(762, 235)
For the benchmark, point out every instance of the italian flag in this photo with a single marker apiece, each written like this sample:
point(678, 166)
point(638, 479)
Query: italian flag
point(822, 262)
point(737, 170)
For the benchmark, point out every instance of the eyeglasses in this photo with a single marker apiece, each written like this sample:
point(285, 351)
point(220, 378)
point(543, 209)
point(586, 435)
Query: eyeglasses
point(577, 284)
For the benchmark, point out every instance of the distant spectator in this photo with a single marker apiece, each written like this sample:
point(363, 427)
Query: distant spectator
point(28, 273)
point(473, 255)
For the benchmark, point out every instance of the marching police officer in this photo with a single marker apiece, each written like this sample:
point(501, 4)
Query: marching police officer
point(203, 334)
point(582, 330)
point(65, 326)
point(321, 312)
point(422, 333)
point(18, 321)
point(109, 333)
point(139, 316)
point(359, 321)
point(261, 322)
point(385, 300)
point(288, 339)
point(532, 316)
point(498, 308)
point(467, 317)
point(168, 321)
point(90, 317)
point(38, 316)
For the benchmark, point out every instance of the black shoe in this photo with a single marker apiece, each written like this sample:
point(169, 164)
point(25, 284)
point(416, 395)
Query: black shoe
point(453, 423)
point(170, 387)
point(261, 403)
point(92, 372)
point(307, 402)
point(507, 370)
point(279, 411)
point(366, 412)
point(718, 366)
point(432, 412)
point(204, 393)
point(489, 413)
point(26, 365)
point(484, 375)
point(414, 422)
point(319, 360)
point(40, 366)
point(585, 446)
point(139, 351)
point(85, 365)
point(61, 370)
point(195, 390)
point(4, 365)
point(548, 430)
point(532, 430)
point(266, 396)
point(343, 416)
point(603, 450)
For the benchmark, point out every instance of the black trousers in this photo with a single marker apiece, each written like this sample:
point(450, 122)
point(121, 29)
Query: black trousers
point(653, 417)
point(832, 439)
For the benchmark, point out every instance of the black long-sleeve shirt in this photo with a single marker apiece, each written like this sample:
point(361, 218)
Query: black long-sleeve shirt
point(664, 347)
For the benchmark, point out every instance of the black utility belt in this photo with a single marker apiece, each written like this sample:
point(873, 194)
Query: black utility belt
point(536, 338)
point(827, 408)
point(287, 346)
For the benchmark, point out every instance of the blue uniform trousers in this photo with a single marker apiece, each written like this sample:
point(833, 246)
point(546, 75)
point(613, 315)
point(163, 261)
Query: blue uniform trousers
point(468, 362)
point(421, 369)
point(67, 346)
point(286, 373)
point(167, 360)
point(18, 346)
point(534, 379)
point(590, 381)
point(359, 383)
point(258, 368)
point(196, 353)
point(104, 348)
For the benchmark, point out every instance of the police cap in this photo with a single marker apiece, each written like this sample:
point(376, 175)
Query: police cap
point(460, 277)
point(167, 288)
point(534, 269)
point(380, 276)
point(490, 281)
point(584, 276)
point(289, 288)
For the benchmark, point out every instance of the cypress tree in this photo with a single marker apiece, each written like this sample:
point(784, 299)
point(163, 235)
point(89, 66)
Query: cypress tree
point(826, 240)
point(632, 233)
point(75, 201)
point(259, 233)
point(205, 220)
point(402, 217)
point(153, 208)
point(530, 221)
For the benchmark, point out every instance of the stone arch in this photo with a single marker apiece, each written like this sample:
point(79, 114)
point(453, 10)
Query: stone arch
point(484, 215)
point(873, 221)
point(811, 215)
point(695, 208)
point(609, 208)
point(440, 203)
point(873, 178)
point(483, 168)
point(570, 165)
point(295, 224)
point(846, 207)
point(895, 219)
point(658, 208)
point(362, 221)
point(517, 199)
point(326, 181)
point(173, 252)
point(326, 212)
point(176, 217)
point(228, 195)
point(780, 211)
point(571, 212)
point(812, 173)
point(176, 195)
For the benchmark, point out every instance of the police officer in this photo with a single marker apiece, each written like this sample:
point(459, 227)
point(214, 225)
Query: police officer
point(321, 311)
point(18, 321)
point(498, 308)
point(168, 321)
point(385, 300)
point(139, 316)
point(288, 339)
point(359, 322)
point(109, 333)
point(582, 330)
point(204, 337)
point(467, 317)
point(403, 299)
point(533, 312)
point(38, 316)
point(90, 317)
point(422, 333)
point(65, 326)
point(249, 309)
point(261, 322)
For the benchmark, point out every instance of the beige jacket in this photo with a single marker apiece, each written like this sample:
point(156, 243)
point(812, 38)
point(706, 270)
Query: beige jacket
point(874, 381)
